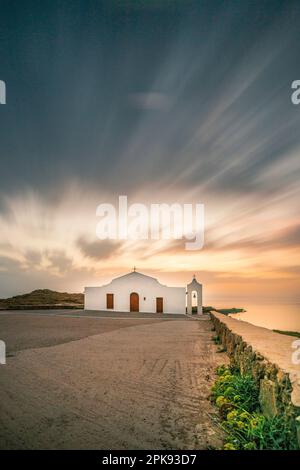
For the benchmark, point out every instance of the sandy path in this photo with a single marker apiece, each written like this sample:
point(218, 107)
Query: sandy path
point(32, 330)
point(144, 386)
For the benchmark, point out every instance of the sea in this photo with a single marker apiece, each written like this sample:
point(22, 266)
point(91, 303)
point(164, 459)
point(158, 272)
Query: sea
point(274, 316)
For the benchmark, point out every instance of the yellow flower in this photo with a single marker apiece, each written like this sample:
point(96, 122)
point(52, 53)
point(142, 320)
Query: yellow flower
point(241, 425)
point(227, 377)
point(250, 446)
point(232, 415)
point(229, 446)
point(220, 401)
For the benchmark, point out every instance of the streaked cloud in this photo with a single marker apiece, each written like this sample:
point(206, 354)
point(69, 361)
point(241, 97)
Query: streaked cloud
point(167, 103)
point(153, 101)
point(98, 249)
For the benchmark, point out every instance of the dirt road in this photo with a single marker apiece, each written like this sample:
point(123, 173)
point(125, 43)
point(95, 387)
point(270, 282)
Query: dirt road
point(135, 386)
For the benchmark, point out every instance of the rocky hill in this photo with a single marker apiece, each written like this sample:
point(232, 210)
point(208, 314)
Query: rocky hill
point(42, 298)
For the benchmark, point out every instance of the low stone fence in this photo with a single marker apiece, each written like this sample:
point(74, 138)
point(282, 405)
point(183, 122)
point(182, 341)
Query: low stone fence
point(270, 358)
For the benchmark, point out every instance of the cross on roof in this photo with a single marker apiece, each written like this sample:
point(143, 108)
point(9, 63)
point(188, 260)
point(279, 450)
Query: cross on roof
point(134, 269)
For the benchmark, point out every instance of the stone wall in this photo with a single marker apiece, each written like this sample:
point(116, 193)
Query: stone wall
point(267, 356)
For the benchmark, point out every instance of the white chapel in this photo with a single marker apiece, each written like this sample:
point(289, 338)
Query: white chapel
point(137, 292)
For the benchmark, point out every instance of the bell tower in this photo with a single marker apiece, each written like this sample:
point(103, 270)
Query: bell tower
point(194, 288)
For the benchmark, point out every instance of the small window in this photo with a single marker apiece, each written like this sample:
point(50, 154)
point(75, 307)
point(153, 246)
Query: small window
point(109, 301)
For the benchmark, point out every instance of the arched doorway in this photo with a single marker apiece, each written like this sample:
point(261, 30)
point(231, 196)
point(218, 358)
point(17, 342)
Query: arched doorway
point(194, 301)
point(134, 302)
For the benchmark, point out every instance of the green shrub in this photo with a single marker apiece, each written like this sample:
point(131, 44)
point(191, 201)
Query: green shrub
point(236, 397)
point(254, 431)
point(240, 390)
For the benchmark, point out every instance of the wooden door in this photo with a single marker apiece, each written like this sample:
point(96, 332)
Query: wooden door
point(159, 305)
point(110, 301)
point(134, 302)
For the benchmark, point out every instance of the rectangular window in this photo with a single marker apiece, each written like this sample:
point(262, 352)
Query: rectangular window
point(109, 301)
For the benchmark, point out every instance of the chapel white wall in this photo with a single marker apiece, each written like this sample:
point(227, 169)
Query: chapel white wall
point(148, 288)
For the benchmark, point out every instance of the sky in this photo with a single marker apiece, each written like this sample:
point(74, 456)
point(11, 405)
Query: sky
point(163, 101)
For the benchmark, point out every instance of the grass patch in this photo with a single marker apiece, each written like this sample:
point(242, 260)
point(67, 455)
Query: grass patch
point(236, 397)
point(288, 333)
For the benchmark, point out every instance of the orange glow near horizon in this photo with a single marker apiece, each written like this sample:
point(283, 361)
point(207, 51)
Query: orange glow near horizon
point(55, 246)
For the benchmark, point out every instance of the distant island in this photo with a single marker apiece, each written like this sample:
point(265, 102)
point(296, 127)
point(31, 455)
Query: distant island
point(225, 311)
